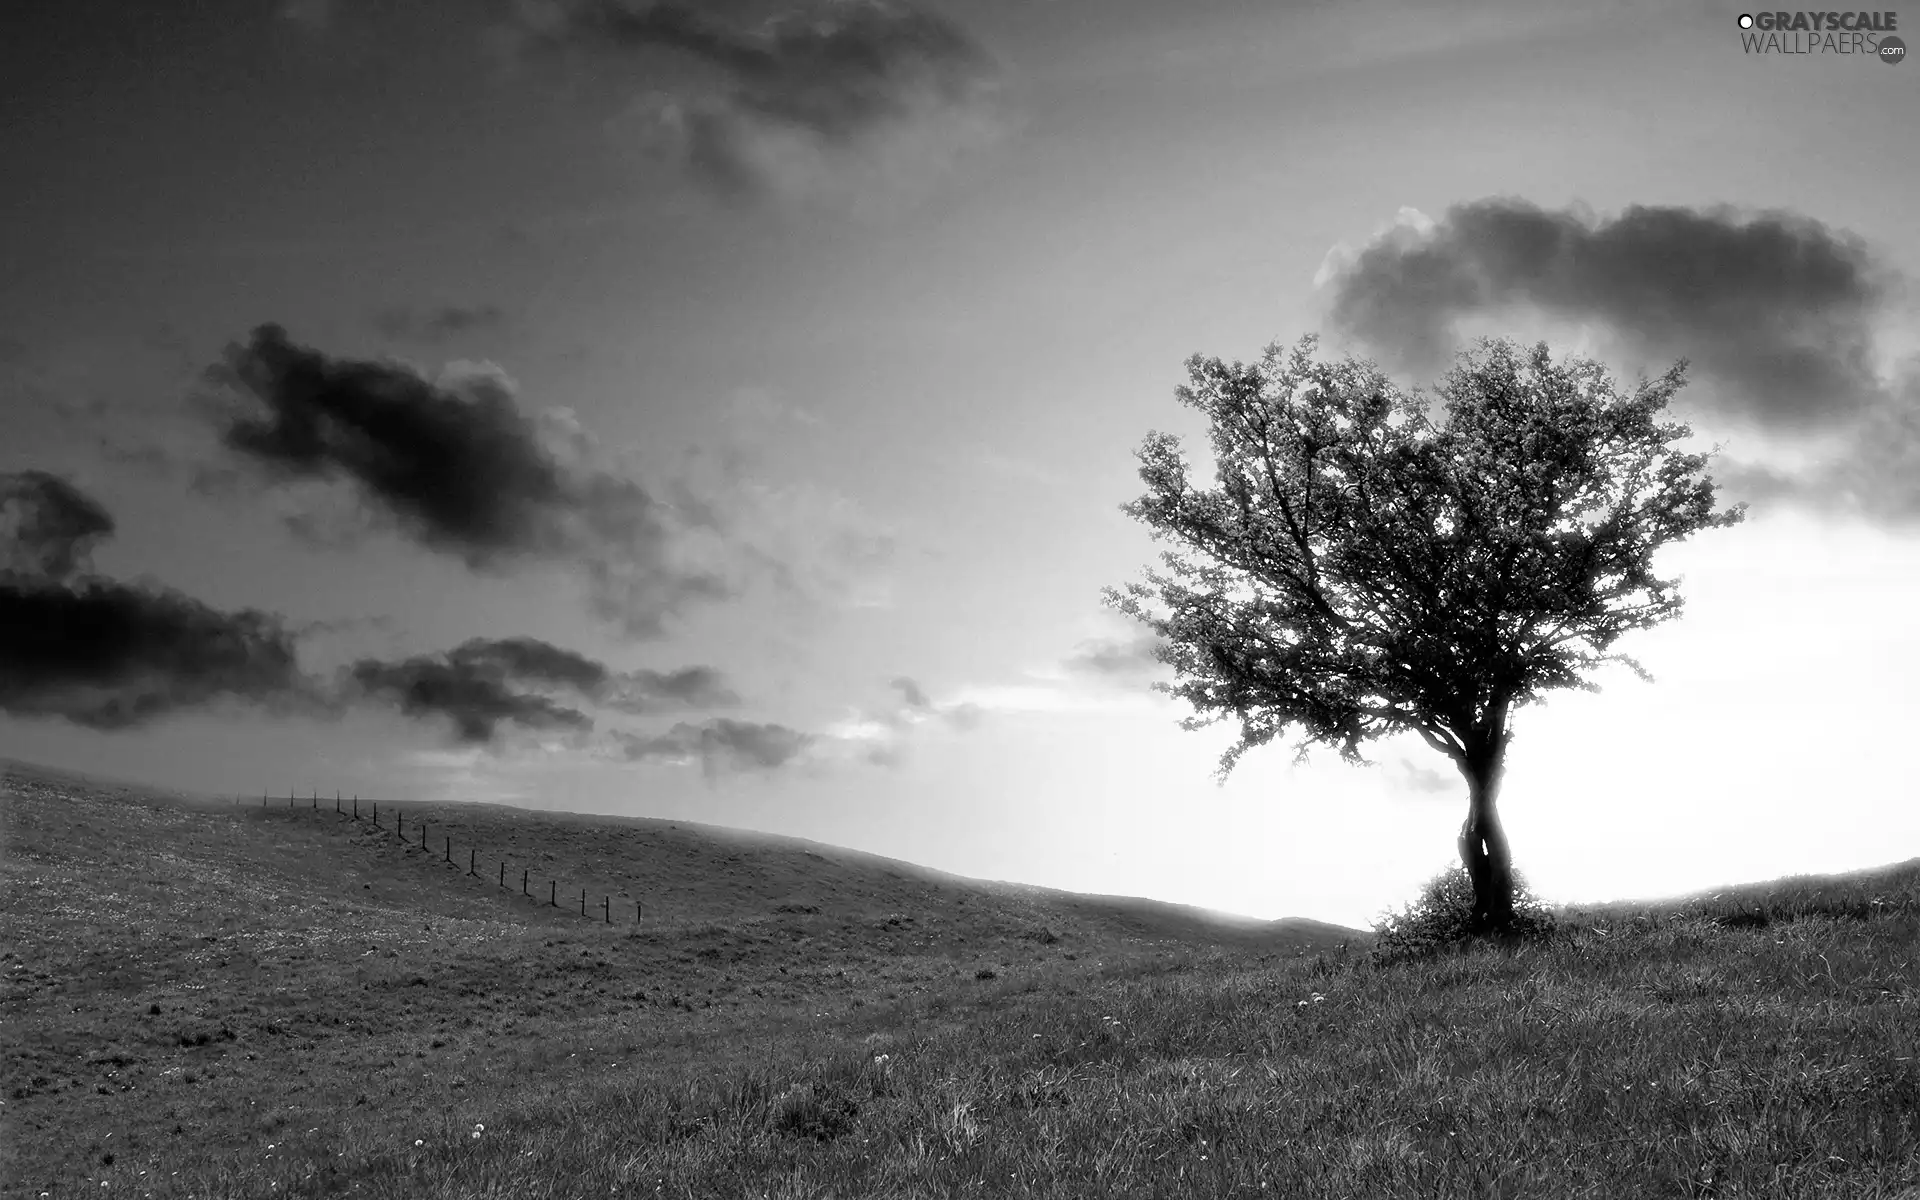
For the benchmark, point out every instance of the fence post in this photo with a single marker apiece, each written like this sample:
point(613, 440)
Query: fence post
point(636, 912)
point(503, 874)
point(356, 806)
point(473, 858)
point(583, 902)
point(606, 908)
point(449, 849)
point(263, 797)
point(423, 837)
point(553, 894)
point(316, 799)
point(523, 881)
point(289, 799)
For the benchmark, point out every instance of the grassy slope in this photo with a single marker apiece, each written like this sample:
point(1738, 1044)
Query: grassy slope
point(327, 997)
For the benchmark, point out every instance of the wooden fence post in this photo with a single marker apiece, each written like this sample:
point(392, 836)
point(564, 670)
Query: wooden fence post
point(423, 837)
point(553, 894)
point(356, 806)
point(606, 909)
point(473, 858)
point(523, 882)
point(449, 849)
point(583, 902)
point(503, 874)
point(636, 912)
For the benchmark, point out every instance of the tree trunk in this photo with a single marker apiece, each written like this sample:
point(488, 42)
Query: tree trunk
point(1483, 844)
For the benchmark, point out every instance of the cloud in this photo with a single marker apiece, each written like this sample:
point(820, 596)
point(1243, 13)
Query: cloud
point(454, 464)
point(719, 745)
point(653, 691)
point(1426, 780)
point(110, 655)
point(911, 695)
point(1111, 657)
point(816, 547)
point(767, 102)
point(485, 683)
point(1776, 312)
point(404, 323)
point(1777, 304)
point(869, 736)
point(48, 527)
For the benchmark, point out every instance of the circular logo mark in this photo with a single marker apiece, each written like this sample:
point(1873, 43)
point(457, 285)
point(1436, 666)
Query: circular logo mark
point(1746, 20)
point(1892, 49)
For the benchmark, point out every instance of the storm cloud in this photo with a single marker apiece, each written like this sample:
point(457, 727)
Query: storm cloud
point(111, 655)
point(1776, 312)
point(823, 75)
point(453, 463)
point(486, 683)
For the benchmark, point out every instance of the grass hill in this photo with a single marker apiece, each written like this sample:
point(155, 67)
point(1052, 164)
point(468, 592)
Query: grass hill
point(208, 999)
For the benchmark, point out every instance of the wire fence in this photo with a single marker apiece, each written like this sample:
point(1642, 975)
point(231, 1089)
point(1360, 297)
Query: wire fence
point(352, 810)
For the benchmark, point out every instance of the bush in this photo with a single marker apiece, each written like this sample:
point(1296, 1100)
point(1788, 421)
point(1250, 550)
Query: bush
point(1442, 917)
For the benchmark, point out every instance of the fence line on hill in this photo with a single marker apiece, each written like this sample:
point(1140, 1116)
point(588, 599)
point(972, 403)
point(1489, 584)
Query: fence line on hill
point(341, 808)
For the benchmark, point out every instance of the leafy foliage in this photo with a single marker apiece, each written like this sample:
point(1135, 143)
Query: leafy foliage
point(1358, 570)
point(1442, 917)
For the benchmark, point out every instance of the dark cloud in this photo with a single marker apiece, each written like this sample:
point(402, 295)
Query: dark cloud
point(1775, 304)
point(719, 745)
point(48, 527)
point(110, 655)
point(654, 691)
point(485, 683)
point(910, 693)
point(455, 464)
point(1116, 656)
point(827, 73)
point(403, 323)
point(1776, 312)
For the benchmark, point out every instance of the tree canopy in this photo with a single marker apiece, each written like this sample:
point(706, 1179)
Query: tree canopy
point(1358, 570)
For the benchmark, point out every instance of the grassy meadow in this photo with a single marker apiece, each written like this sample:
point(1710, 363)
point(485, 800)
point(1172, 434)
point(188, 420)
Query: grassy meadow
point(210, 1000)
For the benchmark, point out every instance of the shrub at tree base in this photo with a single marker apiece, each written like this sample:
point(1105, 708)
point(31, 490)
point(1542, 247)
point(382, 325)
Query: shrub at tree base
point(1442, 917)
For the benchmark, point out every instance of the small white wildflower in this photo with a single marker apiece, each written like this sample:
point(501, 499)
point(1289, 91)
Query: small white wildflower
point(479, 1128)
point(419, 1141)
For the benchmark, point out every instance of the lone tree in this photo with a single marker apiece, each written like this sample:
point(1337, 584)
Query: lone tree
point(1358, 571)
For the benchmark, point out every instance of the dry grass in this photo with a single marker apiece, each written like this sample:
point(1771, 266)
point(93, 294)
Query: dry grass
point(433, 1037)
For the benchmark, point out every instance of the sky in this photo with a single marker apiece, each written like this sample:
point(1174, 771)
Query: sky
point(723, 412)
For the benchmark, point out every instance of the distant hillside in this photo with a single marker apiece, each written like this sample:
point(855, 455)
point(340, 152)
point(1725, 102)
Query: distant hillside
point(677, 871)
